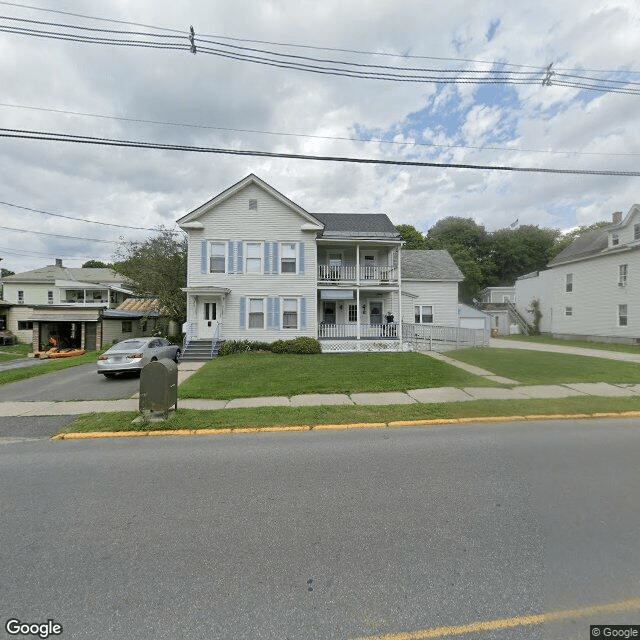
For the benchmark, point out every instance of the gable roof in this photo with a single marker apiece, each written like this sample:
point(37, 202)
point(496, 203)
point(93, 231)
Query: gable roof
point(191, 219)
point(434, 264)
point(588, 244)
point(51, 273)
point(357, 225)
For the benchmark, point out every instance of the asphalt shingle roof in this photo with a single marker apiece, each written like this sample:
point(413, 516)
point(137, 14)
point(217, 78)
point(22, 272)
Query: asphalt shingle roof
point(589, 243)
point(429, 265)
point(357, 225)
point(52, 273)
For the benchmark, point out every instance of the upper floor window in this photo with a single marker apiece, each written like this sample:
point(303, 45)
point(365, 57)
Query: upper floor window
point(254, 257)
point(424, 314)
point(288, 258)
point(623, 272)
point(217, 257)
point(615, 239)
point(568, 311)
point(569, 283)
point(20, 297)
point(636, 231)
point(50, 297)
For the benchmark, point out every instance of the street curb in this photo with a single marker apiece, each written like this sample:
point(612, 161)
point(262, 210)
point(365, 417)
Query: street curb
point(340, 427)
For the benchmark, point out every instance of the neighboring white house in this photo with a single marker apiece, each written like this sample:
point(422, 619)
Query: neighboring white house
point(80, 307)
point(260, 267)
point(498, 294)
point(591, 289)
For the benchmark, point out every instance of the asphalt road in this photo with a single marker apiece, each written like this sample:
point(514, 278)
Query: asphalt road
point(75, 383)
point(323, 534)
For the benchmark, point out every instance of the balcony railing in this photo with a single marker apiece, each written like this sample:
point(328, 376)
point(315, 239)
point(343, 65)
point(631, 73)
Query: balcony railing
point(350, 331)
point(377, 273)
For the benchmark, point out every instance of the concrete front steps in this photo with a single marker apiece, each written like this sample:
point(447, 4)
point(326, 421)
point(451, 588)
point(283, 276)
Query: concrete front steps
point(200, 350)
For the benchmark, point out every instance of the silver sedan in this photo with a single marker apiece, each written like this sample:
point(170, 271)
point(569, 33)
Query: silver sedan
point(133, 354)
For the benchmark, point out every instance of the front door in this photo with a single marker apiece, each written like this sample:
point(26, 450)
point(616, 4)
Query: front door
point(329, 312)
point(208, 318)
point(375, 312)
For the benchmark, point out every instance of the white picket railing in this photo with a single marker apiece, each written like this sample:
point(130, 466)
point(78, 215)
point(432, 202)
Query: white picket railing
point(435, 337)
point(367, 331)
point(350, 272)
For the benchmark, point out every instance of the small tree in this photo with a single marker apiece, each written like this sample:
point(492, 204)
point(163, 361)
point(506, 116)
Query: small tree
point(157, 268)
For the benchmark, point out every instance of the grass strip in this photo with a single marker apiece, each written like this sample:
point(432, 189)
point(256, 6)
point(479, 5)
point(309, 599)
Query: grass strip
point(46, 366)
point(312, 416)
point(584, 344)
point(539, 367)
point(14, 352)
point(252, 375)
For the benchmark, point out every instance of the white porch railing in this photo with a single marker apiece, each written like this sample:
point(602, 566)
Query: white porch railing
point(189, 335)
point(350, 331)
point(435, 337)
point(349, 273)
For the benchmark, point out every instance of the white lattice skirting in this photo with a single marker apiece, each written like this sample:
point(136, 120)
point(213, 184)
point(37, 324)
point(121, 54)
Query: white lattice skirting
point(363, 346)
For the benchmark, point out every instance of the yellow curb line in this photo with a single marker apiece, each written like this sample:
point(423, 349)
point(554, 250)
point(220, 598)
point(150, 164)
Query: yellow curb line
point(340, 427)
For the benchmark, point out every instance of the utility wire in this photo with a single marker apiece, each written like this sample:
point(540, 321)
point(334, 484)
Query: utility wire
point(58, 235)
point(63, 137)
point(323, 66)
point(59, 215)
point(307, 46)
point(312, 136)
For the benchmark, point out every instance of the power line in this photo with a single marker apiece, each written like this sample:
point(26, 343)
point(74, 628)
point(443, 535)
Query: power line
point(63, 137)
point(322, 66)
point(59, 235)
point(308, 46)
point(59, 215)
point(312, 136)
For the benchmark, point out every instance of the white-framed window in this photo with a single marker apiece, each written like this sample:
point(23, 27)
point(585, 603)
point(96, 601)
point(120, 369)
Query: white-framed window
point(623, 272)
point(353, 313)
point(20, 297)
point(636, 231)
point(288, 259)
point(622, 315)
point(424, 314)
point(568, 311)
point(568, 287)
point(290, 313)
point(49, 297)
point(254, 257)
point(256, 313)
point(217, 257)
point(615, 239)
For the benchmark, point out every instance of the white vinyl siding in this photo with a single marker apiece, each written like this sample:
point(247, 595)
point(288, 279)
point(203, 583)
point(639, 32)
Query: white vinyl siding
point(441, 296)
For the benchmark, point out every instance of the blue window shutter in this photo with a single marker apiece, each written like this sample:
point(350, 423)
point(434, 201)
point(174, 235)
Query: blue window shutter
point(276, 313)
point(303, 313)
point(275, 246)
point(203, 257)
point(267, 257)
point(243, 312)
point(240, 267)
point(301, 258)
point(269, 313)
point(230, 262)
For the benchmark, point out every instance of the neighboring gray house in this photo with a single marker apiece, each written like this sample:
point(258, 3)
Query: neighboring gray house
point(260, 267)
point(74, 305)
point(591, 289)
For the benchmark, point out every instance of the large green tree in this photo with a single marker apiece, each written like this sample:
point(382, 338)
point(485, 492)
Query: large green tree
point(412, 237)
point(157, 267)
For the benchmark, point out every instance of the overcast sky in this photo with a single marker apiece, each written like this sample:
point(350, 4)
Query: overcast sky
point(241, 105)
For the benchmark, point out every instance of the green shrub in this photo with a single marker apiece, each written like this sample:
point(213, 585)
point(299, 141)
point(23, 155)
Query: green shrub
point(242, 346)
point(297, 345)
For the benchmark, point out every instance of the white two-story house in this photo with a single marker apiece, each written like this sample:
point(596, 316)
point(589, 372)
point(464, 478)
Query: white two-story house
point(591, 289)
point(260, 267)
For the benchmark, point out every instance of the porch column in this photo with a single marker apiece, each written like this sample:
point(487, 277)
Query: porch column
point(358, 314)
point(358, 264)
point(399, 327)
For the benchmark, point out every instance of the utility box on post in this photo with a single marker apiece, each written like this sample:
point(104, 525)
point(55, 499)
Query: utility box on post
point(159, 386)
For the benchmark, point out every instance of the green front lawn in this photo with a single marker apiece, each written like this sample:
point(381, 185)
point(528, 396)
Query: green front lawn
point(249, 375)
point(14, 352)
point(539, 367)
point(585, 344)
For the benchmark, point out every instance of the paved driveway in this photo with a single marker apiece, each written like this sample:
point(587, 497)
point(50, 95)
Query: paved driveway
point(75, 383)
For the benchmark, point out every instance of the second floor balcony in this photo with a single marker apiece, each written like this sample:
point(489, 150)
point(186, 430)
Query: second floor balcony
point(368, 274)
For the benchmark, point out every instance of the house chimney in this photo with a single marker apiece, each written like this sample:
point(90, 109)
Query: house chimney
point(58, 262)
point(617, 217)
